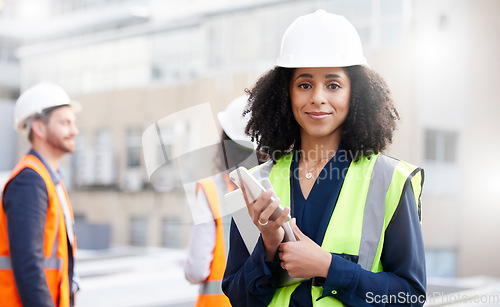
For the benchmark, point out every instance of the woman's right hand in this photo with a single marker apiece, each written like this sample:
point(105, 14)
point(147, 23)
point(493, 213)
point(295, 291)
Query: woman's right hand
point(272, 232)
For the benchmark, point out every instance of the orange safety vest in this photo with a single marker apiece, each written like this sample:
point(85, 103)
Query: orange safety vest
point(210, 291)
point(55, 244)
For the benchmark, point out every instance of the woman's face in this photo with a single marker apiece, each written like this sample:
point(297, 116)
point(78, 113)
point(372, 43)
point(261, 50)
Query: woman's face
point(320, 100)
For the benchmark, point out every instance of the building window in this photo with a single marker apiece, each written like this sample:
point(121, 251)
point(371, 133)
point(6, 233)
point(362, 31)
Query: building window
point(441, 263)
point(104, 159)
point(95, 165)
point(138, 231)
point(134, 141)
point(170, 232)
point(442, 174)
point(176, 55)
point(441, 146)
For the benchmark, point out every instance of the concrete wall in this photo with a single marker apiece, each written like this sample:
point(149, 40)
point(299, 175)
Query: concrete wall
point(480, 203)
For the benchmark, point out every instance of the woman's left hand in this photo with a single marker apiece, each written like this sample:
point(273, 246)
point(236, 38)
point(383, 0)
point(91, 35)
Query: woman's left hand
point(304, 258)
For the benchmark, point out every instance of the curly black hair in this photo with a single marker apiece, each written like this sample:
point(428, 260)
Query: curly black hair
point(367, 130)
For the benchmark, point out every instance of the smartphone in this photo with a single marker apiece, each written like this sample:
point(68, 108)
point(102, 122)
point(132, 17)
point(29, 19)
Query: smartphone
point(252, 189)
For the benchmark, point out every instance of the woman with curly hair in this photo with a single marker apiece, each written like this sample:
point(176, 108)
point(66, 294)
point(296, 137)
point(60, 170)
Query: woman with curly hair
point(322, 117)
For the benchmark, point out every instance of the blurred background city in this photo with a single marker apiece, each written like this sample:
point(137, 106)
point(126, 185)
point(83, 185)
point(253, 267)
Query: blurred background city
point(132, 62)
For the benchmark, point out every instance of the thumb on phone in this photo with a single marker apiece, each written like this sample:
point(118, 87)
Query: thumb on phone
point(296, 231)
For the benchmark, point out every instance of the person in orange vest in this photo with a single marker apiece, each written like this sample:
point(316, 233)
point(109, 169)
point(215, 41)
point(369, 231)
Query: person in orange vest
point(207, 250)
point(37, 237)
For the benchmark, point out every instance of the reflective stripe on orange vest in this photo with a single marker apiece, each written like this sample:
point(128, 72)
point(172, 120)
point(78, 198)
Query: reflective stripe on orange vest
point(211, 287)
point(48, 263)
point(55, 244)
point(211, 291)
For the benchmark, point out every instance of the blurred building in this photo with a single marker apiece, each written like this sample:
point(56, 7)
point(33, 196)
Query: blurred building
point(131, 63)
point(10, 40)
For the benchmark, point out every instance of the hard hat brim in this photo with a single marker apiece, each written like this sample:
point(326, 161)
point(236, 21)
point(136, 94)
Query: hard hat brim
point(75, 106)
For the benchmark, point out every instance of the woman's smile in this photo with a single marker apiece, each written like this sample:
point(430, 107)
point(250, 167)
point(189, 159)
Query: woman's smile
point(318, 115)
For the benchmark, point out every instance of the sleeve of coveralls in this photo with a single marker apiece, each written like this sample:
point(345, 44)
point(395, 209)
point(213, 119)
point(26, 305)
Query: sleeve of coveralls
point(25, 204)
point(403, 281)
point(201, 246)
point(248, 278)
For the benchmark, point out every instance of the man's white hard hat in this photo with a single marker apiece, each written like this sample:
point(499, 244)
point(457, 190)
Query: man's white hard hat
point(233, 123)
point(37, 99)
point(321, 39)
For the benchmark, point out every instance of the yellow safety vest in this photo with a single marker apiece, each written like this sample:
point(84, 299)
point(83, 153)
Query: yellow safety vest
point(369, 197)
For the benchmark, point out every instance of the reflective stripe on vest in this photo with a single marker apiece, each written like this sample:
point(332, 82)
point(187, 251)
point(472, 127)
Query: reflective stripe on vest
point(367, 201)
point(211, 287)
point(374, 211)
point(210, 291)
point(49, 263)
point(55, 244)
point(52, 263)
point(68, 218)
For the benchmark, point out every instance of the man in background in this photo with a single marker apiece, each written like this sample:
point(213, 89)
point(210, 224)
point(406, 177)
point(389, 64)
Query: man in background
point(37, 237)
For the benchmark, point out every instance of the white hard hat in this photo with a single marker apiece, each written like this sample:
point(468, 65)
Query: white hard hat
point(38, 98)
point(233, 123)
point(321, 39)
